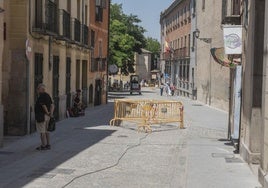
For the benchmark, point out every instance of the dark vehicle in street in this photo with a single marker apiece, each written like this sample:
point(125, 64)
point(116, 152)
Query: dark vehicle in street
point(134, 84)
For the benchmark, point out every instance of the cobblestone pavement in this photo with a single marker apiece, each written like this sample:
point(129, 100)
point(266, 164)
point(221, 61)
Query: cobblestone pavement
point(87, 152)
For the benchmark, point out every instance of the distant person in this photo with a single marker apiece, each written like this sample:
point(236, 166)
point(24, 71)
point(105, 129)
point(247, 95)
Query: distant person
point(44, 109)
point(167, 89)
point(78, 107)
point(172, 88)
point(161, 89)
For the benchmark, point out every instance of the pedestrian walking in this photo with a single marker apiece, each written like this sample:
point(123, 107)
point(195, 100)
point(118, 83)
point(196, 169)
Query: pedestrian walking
point(161, 89)
point(167, 89)
point(44, 109)
point(172, 88)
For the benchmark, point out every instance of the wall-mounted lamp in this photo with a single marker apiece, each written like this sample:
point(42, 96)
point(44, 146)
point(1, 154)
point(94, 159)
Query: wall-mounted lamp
point(206, 40)
point(196, 33)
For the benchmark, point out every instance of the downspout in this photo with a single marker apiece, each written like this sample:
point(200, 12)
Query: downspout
point(83, 18)
point(108, 51)
point(28, 107)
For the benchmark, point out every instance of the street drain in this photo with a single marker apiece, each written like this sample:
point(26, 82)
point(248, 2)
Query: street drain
point(222, 155)
point(56, 170)
point(197, 105)
point(45, 176)
point(49, 173)
point(5, 152)
point(122, 136)
point(233, 160)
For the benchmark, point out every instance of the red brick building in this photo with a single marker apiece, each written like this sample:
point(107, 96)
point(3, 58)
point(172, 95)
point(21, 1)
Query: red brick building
point(99, 36)
point(175, 24)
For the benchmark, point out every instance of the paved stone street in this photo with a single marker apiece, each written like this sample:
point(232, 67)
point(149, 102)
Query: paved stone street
point(86, 152)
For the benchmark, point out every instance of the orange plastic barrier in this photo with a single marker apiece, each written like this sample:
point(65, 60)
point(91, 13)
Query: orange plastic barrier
point(147, 112)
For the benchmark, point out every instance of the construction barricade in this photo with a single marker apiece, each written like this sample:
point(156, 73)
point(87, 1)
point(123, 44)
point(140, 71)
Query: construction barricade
point(147, 112)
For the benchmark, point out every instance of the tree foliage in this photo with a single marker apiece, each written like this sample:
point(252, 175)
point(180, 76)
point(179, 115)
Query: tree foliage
point(126, 38)
point(153, 46)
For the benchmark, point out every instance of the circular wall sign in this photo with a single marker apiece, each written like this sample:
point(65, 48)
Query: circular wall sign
point(113, 69)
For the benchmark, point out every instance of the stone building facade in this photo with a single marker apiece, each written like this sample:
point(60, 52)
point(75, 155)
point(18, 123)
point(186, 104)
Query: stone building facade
point(212, 80)
point(263, 169)
point(253, 128)
point(143, 64)
point(193, 69)
point(175, 24)
point(47, 41)
point(253, 138)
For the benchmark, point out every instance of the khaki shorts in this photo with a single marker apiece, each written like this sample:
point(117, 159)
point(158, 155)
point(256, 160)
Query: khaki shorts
point(41, 127)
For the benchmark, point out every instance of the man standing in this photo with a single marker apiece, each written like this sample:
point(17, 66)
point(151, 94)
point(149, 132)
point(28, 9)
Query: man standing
point(44, 109)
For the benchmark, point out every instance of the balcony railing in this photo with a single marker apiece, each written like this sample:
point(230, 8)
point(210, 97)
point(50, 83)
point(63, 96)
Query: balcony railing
point(49, 20)
point(85, 35)
point(46, 17)
point(76, 30)
point(64, 24)
point(51, 13)
point(181, 53)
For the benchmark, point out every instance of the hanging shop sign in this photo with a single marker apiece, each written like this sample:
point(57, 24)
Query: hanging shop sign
point(232, 35)
point(220, 57)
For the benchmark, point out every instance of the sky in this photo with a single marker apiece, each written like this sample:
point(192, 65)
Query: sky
point(148, 11)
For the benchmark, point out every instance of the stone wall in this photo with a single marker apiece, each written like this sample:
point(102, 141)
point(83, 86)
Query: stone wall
point(212, 80)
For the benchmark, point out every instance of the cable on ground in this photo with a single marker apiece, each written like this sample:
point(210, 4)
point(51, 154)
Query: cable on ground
point(108, 167)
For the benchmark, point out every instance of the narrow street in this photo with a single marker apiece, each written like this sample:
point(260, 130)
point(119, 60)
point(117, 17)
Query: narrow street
point(87, 152)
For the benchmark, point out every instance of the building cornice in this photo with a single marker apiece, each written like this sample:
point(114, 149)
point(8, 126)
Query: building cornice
point(169, 9)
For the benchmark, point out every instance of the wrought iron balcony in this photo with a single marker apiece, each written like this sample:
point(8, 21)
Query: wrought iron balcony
point(64, 24)
point(85, 35)
point(46, 17)
point(181, 53)
point(76, 30)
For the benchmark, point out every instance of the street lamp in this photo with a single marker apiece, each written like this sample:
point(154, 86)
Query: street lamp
point(208, 41)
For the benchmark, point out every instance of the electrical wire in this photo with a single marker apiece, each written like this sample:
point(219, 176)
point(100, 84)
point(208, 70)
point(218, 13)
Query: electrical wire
point(108, 167)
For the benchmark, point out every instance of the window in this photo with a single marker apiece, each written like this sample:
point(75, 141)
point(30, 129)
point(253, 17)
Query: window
point(189, 44)
point(193, 44)
point(100, 5)
point(235, 7)
point(99, 14)
point(86, 14)
point(100, 48)
point(194, 7)
point(69, 6)
point(78, 9)
point(203, 4)
point(92, 38)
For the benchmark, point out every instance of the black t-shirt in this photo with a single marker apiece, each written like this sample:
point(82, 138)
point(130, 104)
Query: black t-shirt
point(43, 99)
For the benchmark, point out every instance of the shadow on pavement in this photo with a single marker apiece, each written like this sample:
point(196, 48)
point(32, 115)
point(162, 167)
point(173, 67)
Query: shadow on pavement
point(22, 164)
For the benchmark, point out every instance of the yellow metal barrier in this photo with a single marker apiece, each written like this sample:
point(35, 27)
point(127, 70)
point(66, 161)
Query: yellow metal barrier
point(147, 112)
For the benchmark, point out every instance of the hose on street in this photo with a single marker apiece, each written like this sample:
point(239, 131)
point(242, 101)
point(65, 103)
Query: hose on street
point(108, 167)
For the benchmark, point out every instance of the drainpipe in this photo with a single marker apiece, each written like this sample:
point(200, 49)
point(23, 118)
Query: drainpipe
point(28, 82)
point(108, 51)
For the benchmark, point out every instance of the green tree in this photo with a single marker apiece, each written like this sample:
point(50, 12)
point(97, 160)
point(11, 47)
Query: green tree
point(126, 38)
